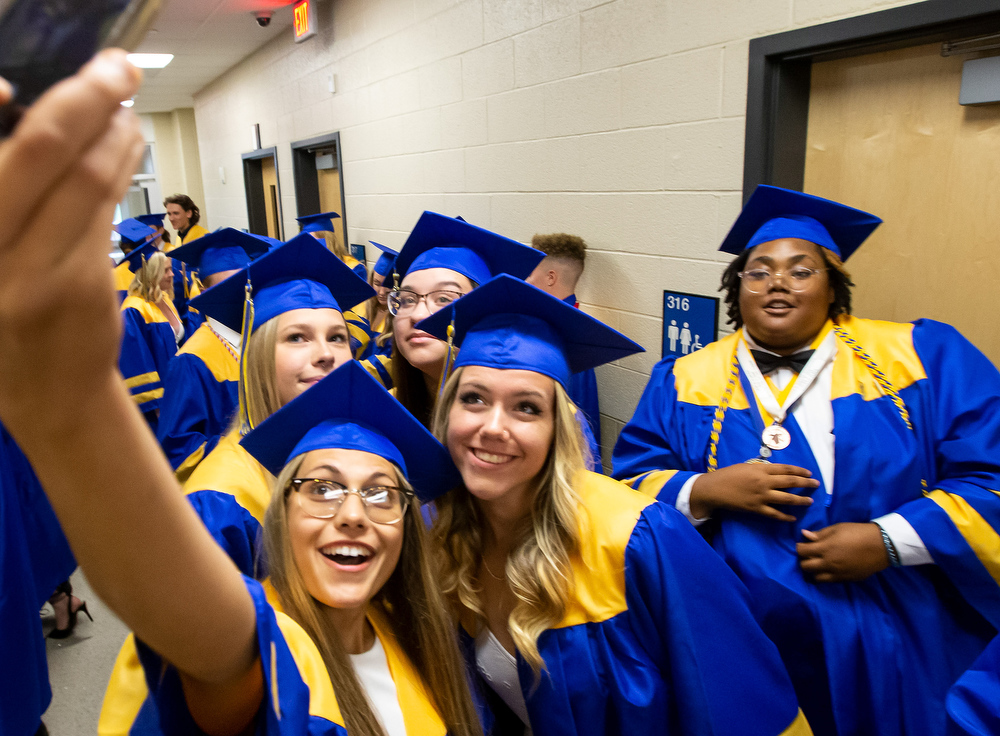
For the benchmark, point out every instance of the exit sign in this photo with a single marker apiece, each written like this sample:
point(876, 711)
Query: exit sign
point(304, 20)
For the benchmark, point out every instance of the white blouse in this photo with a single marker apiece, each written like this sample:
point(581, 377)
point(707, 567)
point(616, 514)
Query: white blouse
point(372, 669)
point(499, 668)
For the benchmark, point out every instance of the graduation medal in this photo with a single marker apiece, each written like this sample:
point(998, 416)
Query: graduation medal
point(776, 437)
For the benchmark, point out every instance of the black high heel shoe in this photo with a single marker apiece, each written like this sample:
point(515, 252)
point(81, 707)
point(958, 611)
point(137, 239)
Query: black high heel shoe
point(72, 614)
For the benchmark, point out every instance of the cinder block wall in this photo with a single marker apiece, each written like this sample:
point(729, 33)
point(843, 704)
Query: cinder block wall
point(618, 120)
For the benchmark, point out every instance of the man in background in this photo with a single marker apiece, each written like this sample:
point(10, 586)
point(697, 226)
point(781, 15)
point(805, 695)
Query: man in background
point(184, 215)
point(558, 274)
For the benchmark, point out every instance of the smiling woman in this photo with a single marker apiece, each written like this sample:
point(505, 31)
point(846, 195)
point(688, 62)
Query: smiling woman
point(297, 335)
point(841, 461)
point(584, 605)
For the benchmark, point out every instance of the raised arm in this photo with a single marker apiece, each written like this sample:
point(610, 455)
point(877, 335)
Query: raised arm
point(62, 397)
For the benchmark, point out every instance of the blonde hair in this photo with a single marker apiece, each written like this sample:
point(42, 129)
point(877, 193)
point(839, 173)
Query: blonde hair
point(538, 567)
point(334, 245)
point(412, 604)
point(261, 386)
point(146, 283)
point(372, 308)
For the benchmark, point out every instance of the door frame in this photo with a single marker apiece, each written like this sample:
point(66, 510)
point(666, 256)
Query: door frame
point(307, 180)
point(253, 182)
point(780, 72)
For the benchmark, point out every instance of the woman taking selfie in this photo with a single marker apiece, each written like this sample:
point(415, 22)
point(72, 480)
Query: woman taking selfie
point(236, 663)
point(297, 336)
point(589, 608)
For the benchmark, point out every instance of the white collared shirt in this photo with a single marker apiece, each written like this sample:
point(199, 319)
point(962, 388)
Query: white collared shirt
point(814, 415)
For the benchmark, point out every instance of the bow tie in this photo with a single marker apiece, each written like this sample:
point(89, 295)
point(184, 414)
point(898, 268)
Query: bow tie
point(768, 363)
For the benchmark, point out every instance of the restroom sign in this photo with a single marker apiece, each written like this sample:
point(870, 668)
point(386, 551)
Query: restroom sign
point(690, 322)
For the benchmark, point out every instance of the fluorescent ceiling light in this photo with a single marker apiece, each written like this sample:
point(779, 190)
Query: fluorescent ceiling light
point(128, 103)
point(150, 61)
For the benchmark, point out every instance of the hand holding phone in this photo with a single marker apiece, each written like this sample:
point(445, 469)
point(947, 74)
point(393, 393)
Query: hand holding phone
point(45, 41)
point(70, 161)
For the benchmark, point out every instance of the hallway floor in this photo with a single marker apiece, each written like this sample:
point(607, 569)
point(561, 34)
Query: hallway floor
point(80, 666)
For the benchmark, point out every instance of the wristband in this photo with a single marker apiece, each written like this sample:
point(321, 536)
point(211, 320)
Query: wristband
point(890, 548)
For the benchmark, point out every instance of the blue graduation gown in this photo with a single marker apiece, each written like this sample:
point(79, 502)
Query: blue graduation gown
point(876, 656)
point(123, 279)
point(974, 701)
point(358, 329)
point(200, 397)
point(372, 349)
point(582, 389)
point(299, 699)
point(148, 345)
point(34, 558)
point(230, 491)
point(657, 636)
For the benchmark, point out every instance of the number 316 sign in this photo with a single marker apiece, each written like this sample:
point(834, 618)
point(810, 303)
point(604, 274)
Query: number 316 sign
point(690, 322)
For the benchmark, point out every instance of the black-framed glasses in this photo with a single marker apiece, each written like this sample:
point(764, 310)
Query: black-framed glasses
point(322, 499)
point(797, 278)
point(403, 301)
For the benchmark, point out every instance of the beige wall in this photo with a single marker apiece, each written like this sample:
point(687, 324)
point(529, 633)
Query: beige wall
point(178, 158)
point(618, 120)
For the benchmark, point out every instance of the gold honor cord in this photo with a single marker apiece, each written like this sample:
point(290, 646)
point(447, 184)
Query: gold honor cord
point(246, 423)
point(720, 413)
point(864, 357)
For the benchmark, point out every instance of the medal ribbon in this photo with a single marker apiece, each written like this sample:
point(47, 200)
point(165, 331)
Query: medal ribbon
point(762, 391)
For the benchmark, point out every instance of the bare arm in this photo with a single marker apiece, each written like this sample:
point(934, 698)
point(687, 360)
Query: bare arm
point(144, 549)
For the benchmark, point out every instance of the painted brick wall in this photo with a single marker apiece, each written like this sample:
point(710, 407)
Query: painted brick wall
point(617, 120)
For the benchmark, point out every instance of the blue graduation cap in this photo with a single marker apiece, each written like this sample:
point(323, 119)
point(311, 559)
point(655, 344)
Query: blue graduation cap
point(316, 223)
point(139, 256)
point(301, 274)
point(226, 249)
point(270, 242)
point(133, 232)
point(383, 266)
point(350, 410)
point(773, 213)
point(154, 220)
point(438, 241)
point(510, 324)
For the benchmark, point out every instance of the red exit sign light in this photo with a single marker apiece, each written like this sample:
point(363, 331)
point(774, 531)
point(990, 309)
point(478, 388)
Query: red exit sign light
point(304, 20)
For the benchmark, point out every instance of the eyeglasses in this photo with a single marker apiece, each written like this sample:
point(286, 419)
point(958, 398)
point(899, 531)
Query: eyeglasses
point(403, 302)
point(322, 499)
point(798, 278)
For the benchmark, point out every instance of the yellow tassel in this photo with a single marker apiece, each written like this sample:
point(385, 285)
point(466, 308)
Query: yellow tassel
point(449, 357)
point(246, 424)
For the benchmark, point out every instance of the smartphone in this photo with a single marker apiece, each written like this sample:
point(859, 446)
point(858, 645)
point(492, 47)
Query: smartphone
point(45, 41)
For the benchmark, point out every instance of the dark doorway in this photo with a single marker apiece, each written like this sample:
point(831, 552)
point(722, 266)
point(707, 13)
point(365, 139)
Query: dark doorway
point(260, 177)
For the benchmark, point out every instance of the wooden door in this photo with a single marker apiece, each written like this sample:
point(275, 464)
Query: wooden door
point(886, 134)
point(330, 201)
point(269, 177)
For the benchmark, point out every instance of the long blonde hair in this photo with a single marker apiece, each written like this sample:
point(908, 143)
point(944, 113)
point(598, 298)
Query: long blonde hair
point(412, 604)
point(538, 568)
point(146, 283)
point(262, 377)
point(334, 245)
